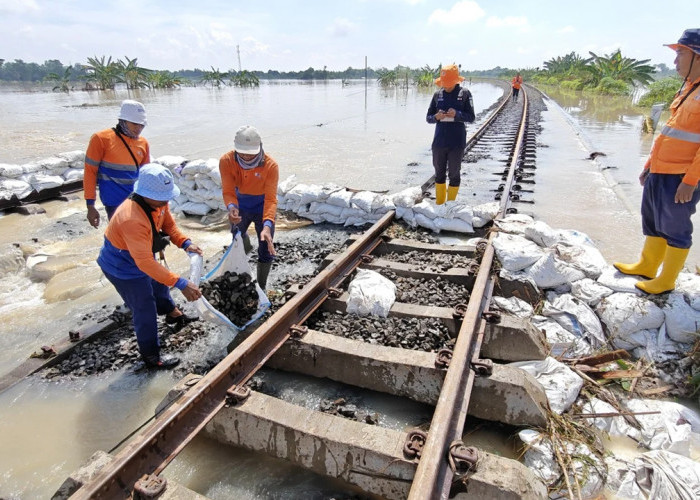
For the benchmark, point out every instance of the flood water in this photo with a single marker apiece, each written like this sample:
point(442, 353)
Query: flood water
point(320, 131)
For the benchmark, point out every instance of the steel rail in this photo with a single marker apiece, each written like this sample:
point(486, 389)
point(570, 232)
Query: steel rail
point(150, 451)
point(433, 477)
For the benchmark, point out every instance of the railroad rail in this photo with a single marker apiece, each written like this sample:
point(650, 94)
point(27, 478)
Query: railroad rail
point(443, 457)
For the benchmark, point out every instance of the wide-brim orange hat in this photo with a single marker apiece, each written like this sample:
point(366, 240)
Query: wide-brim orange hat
point(689, 39)
point(449, 76)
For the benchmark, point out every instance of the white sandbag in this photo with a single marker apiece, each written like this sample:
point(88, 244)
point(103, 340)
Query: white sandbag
point(540, 458)
point(516, 252)
point(682, 321)
point(195, 167)
point(32, 168)
point(357, 221)
point(589, 291)
point(73, 174)
point(284, 186)
point(514, 223)
point(576, 316)
point(349, 212)
point(657, 475)
point(427, 208)
point(574, 238)
point(194, 208)
point(172, 162)
point(618, 282)
point(74, 158)
point(41, 182)
point(10, 171)
point(560, 383)
point(625, 313)
point(426, 222)
point(485, 213)
point(408, 197)
point(54, 164)
point(340, 198)
point(307, 193)
point(407, 215)
point(205, 183)
point(561, 341)
point(383, 205)
point(584, 257)
point(453, 224)
point(16, 187)
point(549, 272)
point(540, 233)
point(513, 305)
point(366, 200)
point(614, 426)
point(689, 285)
point(370, 293)
point(186, 182)
point(672, 429)
point(324, 208)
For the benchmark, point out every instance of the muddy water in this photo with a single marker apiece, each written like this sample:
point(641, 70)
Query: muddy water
point(320, 132)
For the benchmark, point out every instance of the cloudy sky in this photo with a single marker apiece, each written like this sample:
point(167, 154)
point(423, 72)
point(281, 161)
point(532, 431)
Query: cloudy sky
point(294, 35)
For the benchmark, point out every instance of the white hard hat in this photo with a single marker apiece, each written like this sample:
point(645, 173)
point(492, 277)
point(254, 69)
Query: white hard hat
point(247, 141)
point(133, 111)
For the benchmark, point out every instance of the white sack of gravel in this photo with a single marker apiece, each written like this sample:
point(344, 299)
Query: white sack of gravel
point(174, 163)
point(560, 383)
point(614, 426)
point(74, 174)
point(284, 186)
point(625, 313)
point(575, 316)
point(515, 253)
point(370, 293)
point(340, 198)
point(657, 475)
point(539, 457)
point(562, 343)
point(485, 213)
point(585, 257)
point(407, 197)
point(549, 272)
point(513, 305)
point(689, 285)
point(682, 321)
point(8, 171)
point(589, 291)
point(14, 187)
point(618, 282)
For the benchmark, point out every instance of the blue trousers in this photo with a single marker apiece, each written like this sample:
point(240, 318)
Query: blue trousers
point(662, 216)
point(110, 209)
point(256, 218)
point(448, 160)
point(147, 299)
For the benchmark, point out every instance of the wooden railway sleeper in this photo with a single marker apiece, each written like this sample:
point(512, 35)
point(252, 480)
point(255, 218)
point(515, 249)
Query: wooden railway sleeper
point(482, 367)
point(443, 358)
point(149, 486)
point(237, 394)
point(415, 440)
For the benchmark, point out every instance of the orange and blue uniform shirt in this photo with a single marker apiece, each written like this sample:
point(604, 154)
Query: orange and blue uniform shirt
point(251, 190)
point(109, 165)
point(517, 82)
point(127, 250)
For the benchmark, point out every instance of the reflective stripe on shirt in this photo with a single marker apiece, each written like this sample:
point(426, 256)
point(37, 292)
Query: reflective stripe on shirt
point(680, 134)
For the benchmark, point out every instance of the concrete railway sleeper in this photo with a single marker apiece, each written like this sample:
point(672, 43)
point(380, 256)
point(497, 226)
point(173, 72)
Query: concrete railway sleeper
point(458, 380)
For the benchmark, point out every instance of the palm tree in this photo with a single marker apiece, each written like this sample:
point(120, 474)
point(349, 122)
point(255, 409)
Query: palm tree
point(63, 82)
point(387, 77)
point(245, 79)
point(133, 75)
point(214, 77)
point(426, 76)
point(163, 80)
point(625, 69)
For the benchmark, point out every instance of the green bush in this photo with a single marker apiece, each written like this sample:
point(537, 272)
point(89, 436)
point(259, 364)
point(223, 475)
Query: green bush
point(611, 86)
point(572, 84)
point(663, 90)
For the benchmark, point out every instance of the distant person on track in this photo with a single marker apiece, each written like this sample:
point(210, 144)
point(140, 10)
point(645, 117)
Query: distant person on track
point(670, 178)
point(249, 179)
point(450, 108)
point(113, 159)
point(133, 236)
point(516, 83)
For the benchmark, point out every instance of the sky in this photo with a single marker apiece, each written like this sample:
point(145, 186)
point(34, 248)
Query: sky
point(298, 34)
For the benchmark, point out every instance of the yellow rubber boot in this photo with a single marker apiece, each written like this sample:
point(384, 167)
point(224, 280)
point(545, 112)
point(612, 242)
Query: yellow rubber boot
point(652, 255)
point(452, 193)
point(440, 193)
point(673, 264)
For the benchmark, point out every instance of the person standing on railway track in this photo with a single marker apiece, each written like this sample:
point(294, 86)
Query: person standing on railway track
point(670, 179)
point(249, 179)
point(516, 83)
point(113, 159)
point(450, 108)
point(141, 227)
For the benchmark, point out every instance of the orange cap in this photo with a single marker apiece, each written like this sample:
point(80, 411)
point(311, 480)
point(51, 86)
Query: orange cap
point(449, 76)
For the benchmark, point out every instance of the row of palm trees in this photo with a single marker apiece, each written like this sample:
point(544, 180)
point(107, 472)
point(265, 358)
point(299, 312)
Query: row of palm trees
point(104, 74)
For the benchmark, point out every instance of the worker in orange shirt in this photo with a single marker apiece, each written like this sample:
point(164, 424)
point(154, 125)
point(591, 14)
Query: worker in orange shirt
point(516, 83)
point(135, 233)
point(670, 178)
point(113, 159)
point(249, 179)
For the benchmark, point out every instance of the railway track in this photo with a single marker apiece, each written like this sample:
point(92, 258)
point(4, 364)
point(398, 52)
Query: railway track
point(428, 464)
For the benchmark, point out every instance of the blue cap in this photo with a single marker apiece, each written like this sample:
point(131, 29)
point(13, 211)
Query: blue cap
point(156, 182)
point(690, 39)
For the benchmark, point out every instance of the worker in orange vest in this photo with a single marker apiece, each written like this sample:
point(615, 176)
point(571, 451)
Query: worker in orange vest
point(516, 83)
point(670, 178)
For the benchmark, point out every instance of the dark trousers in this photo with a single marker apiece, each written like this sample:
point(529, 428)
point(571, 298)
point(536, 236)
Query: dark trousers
point(110, 209)
point(515, 93)
point(662, 216)
point(447, 160)
point(256, 218)
point(147, 299)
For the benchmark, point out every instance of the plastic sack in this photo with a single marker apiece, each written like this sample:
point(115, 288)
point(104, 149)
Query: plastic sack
point(370, 293)
point(235, 261)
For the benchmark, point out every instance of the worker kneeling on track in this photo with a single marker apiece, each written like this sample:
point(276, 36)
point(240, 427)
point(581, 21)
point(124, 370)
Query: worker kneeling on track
point(138, 230)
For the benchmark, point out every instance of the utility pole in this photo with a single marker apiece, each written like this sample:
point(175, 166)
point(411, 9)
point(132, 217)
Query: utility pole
point(238, 50)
